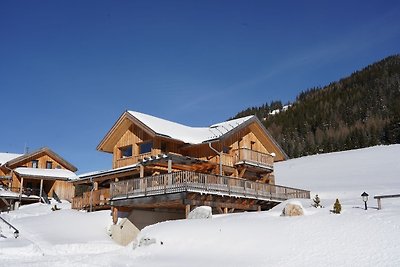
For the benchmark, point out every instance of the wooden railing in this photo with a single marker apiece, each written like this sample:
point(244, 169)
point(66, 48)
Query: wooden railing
point(186, 181)
point(96, 198)
point(131, 160)
point(245, 154)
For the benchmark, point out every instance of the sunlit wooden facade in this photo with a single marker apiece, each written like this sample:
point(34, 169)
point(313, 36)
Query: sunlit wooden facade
point(36, 176)
point(158, 166)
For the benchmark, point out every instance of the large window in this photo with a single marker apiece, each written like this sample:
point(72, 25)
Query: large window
point(35, 163)
point(145, 147)
point(126, 151)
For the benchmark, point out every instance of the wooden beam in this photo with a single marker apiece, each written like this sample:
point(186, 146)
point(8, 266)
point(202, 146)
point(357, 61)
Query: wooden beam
point(219, 210)
point(114, 215)
point(169, 166)
point(141, 171)
point(225, 210)
point(41, 190)
point(242, 172)
point(187, 211)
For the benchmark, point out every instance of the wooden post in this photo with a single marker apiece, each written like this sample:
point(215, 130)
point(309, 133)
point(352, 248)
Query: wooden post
point(114, 215)
point(169, 166)
point(187, 211)
point(95, 185)
point(41, 190)
point(259, 208)
point(379, 203)
point(225, 210)
point(20, 189)
point(141, 171)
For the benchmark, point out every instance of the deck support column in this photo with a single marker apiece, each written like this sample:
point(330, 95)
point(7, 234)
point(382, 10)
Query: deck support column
point(259, 208)
point(20, 188)
point(187, 211)
point(114, 215)
point(141, 171)
point(169, 166)
point(225, 210)
point(41, 190)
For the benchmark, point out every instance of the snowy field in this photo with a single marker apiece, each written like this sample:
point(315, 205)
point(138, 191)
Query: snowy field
point(354, 238)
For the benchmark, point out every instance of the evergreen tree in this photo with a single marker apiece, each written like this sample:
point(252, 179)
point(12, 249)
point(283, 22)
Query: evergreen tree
point(317, 202)
point(355, 112)
point(337, 207)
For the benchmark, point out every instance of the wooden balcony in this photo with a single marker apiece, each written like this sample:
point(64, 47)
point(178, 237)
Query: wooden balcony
point(187, 181)
point(252, 157)
point(98, 199)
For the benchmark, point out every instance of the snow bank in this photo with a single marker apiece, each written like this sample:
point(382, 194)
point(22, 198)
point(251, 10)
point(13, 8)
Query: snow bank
point(354, 237)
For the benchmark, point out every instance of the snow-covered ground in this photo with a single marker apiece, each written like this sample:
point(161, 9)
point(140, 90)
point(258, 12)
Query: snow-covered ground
point(354, 238)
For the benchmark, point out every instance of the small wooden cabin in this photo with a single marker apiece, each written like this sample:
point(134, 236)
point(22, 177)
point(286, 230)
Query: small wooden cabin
point(35, 176)
point(167, 168)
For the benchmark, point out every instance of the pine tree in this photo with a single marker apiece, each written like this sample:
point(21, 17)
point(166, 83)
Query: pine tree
point(337, 207)
point(317, 202)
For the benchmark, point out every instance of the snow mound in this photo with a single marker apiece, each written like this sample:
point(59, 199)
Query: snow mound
point(202, 212)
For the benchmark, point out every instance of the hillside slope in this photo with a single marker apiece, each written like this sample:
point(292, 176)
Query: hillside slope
point(359, 111)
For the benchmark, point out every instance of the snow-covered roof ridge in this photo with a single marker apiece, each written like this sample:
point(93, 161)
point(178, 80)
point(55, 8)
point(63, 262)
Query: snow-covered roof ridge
point(49, 173)
point(188, 134)
point(5, 157)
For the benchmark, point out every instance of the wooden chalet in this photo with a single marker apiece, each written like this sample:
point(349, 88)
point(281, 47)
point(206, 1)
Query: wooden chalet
point(35, 176)
point(162, 169)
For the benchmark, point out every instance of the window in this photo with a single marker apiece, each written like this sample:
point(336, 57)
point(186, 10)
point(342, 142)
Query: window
point(58, 167)
point(35, 163)
point(126, 152)
point(49, 165)
point(145, 147)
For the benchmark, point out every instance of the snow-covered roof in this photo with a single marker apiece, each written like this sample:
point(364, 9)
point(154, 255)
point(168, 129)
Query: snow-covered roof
point(48, 173)
point(92, 174)
point(5, 157)
point(187, 134)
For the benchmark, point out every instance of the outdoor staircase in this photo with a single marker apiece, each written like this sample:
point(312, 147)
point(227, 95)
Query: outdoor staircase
point(45, 198)
point(8, 205)
point(3, 223)
point(55, 196)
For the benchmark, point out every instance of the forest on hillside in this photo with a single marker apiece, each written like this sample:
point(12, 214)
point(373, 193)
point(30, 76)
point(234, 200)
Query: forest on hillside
point(358, 111)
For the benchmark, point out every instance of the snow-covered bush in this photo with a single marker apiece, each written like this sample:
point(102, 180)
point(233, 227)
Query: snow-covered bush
point(317, 202)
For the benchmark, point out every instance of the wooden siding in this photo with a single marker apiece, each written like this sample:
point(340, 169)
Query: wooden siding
point(63, 189)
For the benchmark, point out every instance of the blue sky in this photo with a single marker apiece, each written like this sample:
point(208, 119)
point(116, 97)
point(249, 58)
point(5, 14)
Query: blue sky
point(68, 69)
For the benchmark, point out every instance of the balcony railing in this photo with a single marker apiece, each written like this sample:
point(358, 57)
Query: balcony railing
point(131, 160)
point(244, 155)
point(96, 198)
point(186, 181)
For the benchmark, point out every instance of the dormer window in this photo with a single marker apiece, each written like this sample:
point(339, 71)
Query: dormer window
point(35, 163)
point(126, 151)
point(145, 147)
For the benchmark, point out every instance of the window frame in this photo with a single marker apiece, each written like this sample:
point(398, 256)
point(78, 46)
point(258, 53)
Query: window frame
point(35, 164)
point(49, 163)
point(122, 151)
point(144, 144)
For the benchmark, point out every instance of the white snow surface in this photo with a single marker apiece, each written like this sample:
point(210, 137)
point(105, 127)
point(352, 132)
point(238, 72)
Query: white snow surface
point(356, 237)
point(187, 134)
point(5, 157)
point(50, 173)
